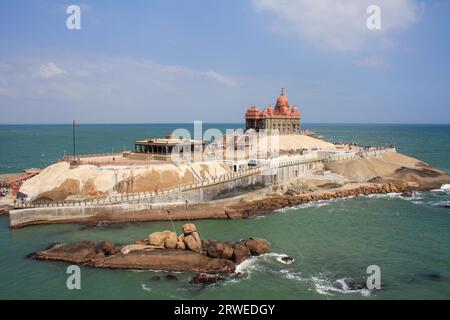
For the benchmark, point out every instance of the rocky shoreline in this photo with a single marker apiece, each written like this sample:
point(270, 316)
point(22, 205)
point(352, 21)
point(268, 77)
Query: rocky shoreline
point(276, 202)
point(404, 180)
point(162, 251)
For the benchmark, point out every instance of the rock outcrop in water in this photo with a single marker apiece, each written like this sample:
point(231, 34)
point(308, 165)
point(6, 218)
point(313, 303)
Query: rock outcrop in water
point(157, 252)
point(205, 279)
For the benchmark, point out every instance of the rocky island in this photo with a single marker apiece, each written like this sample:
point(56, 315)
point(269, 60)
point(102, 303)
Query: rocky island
point(162, 251)
point(273, 164)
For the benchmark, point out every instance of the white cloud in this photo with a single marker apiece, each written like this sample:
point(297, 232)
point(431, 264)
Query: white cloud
point(50, 70)
point(108, 87)
point(340, 24)
point(95, 76)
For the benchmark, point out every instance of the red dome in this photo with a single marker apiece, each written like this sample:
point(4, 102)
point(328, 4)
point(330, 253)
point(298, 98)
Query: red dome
point(282, 105)
point(295, 112)
point(282, 100)
point(268, 111)
point(252, 113)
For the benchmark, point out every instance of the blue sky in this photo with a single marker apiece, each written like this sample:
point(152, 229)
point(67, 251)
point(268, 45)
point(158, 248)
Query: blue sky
point(179, 61)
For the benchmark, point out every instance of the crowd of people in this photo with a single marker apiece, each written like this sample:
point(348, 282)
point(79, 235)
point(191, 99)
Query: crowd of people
point(352, 145)
point(356, 144)
point(4, 191)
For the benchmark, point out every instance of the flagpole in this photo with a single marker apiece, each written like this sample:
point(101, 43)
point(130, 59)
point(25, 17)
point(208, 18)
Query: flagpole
point(73, 138)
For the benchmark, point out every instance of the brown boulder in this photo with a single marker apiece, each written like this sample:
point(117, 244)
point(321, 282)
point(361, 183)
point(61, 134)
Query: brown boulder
point(257, 246)
point(193, 242)
point(240, 252)
point(158, 238)
point(205, 244)
point(217, 249)
point(188, 228)
point(181, 245)
point(197, 238)
point(202, 278)
point(106, 247)
point(171, 241)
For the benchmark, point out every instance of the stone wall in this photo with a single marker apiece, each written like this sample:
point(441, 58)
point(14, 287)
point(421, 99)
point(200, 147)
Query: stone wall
point(254, 180)
point(29, 216)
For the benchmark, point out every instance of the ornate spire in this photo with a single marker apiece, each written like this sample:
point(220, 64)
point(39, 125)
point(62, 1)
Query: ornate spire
point(282, 91)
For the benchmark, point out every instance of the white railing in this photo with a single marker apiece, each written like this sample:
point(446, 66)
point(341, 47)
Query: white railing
point(226, 177)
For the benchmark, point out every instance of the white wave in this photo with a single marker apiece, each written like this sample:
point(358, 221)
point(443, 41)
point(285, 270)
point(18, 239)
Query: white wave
point(259, 217)
point(244, 270)
point(312, 204)
point(324, 286)
point(145, 288)
point(441, 203)
point(247, 266)
point(323, 203)
point(388, 195)
point(253, 264)
point(444, 188)
point(415, 195)
point(294, 276)
point(384, 195)
point(280, 260)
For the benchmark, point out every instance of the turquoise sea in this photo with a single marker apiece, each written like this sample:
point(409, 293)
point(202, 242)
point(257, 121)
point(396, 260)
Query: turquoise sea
point(331, 242)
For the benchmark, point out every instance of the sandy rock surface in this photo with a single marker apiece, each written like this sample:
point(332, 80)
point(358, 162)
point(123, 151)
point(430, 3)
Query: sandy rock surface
point(59, 181)
point(393, 167)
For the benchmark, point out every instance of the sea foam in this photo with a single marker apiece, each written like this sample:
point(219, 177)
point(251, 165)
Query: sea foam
point(325, 286)
point(445, 188)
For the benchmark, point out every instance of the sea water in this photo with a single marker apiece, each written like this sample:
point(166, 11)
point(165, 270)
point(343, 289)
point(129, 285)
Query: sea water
point(332, 242)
